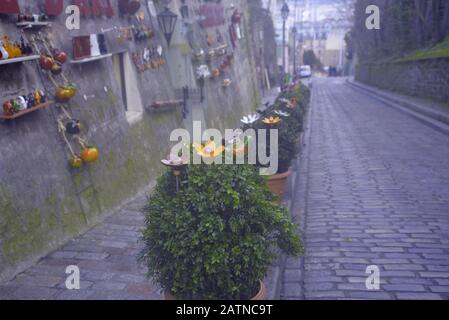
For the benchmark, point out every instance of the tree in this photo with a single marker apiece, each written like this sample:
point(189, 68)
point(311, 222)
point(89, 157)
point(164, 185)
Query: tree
point(406, 25)
point(311, 59)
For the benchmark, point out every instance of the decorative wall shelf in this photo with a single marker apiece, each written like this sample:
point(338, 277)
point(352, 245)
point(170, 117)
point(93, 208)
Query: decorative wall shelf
point(90, 59)
point(165, 105)
point(27, 111)
point(21, 59)
point(31, 25)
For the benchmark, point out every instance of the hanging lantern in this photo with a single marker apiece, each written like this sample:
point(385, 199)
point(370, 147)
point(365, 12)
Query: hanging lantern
point(285, 11)
point(167, 22)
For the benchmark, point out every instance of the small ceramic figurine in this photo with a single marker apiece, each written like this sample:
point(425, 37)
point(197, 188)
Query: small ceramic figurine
point(31, 100)
point(25, 48)
point(15, 106)
point(17, 50)
point(43, 96)
point(37, 97)
point(73, 127)
point(3, 52)
point(8, 109)
point(9, 48)
point(22, 103)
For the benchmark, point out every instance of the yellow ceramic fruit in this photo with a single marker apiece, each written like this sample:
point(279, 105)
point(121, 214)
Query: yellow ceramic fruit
point(90, 154)
point(76, 162)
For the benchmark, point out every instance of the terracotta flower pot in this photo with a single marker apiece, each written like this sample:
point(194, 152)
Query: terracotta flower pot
point(261, 296)
point(276, 184)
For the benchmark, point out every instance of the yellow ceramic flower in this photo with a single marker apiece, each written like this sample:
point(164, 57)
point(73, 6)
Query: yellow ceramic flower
point(272, 120)
point(209, 150)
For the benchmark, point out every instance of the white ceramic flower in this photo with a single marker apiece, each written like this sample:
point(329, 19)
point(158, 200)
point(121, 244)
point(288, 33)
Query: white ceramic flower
point(288, 103)
point(250, 119)
point(282, 114)
point(203, 72)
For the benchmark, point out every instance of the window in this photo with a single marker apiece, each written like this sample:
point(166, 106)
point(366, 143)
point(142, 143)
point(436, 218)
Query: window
point(128, 86)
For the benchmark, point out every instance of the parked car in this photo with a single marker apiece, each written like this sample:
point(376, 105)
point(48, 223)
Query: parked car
point(305, 71)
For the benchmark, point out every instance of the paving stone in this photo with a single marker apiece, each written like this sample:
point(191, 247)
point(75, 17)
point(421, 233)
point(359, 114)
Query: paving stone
point(369, 295)
point(293, 275)
point(418, 296)
point(74, 295)
point(404, 287)
point(292, 290)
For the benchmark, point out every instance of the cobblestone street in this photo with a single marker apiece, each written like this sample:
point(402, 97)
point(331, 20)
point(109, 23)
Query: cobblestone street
point(377, 190)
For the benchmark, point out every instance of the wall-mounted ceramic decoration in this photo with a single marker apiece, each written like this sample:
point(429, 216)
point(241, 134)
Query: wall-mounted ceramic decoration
point(226, 83)
point(146, 55)
point(81, 47)
point(73, 127)
point(9, 7)
point(89, 46)
point(213, 15)
point(3, 53)
point(22, 103)
point(238, 32)
point(202, 72)
point(102, 43)
point(233, 36)
point(94, 46)
point(128, 6)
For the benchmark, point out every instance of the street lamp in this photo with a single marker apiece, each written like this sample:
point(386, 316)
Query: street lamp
point(295, 33)
point(167, 22)
point(285, 11)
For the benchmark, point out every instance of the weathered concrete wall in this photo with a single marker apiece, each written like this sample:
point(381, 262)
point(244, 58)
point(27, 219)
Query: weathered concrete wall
point(43, 202)
point(422, 78)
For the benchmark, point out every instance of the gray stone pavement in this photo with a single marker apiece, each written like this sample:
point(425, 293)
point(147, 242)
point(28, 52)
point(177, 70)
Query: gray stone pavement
point(376, 185)
point(106, 257)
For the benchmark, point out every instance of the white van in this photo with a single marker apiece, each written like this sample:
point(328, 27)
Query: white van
point(305, 71)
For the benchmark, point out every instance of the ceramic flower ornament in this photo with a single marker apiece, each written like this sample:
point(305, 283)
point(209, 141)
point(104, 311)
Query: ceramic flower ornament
point(282, 114)
point(209, 150)
point(272, 120)
point(174, 161)
point(290, 104)
point(239, 144)
point(250, 119)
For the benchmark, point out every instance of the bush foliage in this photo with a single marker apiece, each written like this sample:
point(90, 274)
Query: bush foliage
point(215, 239)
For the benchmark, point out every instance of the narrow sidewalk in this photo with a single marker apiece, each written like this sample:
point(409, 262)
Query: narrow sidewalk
point(107, 258)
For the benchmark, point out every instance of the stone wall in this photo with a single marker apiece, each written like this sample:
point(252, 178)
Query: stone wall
point(423, 78)
point(44, 202)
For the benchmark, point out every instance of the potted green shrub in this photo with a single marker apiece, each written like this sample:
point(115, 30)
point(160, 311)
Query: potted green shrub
point(215, 239)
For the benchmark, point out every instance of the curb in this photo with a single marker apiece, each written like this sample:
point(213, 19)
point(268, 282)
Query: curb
point(436, 120)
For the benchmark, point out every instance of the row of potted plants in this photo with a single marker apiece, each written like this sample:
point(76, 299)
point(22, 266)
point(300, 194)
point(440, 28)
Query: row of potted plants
point(211, 231)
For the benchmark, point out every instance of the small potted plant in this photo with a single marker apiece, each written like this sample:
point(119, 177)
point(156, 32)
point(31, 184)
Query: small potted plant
point(214, 238)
